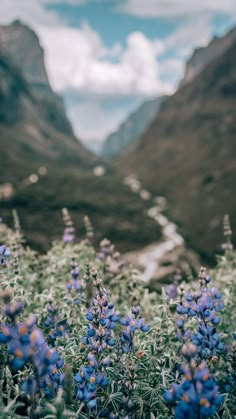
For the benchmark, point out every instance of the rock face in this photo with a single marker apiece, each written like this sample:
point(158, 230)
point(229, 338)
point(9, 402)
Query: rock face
point(188, 154)
point(203, 56)
point(131, 129)
point(29, 132)
point(18, 40)
point(23, 47)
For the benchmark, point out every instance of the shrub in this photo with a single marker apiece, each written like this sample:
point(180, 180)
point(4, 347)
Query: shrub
point(81, 337)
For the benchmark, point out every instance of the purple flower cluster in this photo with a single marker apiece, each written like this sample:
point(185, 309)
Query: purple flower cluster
point(26, 344)
point(56, 324)
point(132, 323)
point(4, 254)
point(109, 256)
point(102, 318)
point(204, 305)
point(99, 338)
point(51, 382)
point(171, 291)
point(197, 395)
point(75, 285)
point(89, 378)
point(69, 232)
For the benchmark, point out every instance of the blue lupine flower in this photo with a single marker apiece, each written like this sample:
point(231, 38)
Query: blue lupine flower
point(75, 285)
point(204, 305)
point(102, 318)
point(13, 310)
point(99, 338)
point(51, 382)
point(131, 323)
point(88, 379)
point(69, 232)
point(29, 386)
point(197, 395)
point(110, 258)
point(171, 291)
point(58, 327)
point(4, 254)
point(26, 344)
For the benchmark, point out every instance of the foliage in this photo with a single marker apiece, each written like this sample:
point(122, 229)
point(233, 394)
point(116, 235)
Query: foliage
point(81, 337)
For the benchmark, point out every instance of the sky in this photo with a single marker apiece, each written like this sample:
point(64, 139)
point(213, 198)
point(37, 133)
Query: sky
point(105, 57)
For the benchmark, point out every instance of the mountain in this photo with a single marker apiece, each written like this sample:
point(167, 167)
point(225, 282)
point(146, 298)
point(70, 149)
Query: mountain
point(131, 129)
point(44, 167)
point(22, 44)
point(203, 56)
point(28, 136)
point(188, 153)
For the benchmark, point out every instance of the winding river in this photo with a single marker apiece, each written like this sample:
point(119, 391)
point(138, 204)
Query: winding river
point(150, 257)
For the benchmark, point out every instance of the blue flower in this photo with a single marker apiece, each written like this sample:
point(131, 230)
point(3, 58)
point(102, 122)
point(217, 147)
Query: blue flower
point(197, 396)
point(27, 345)
point(13, 310)
point(75, 285)
point(69, 232)
point(202, 305)
point(58, 327)
point(99, 338)
point(4, 254)
point(102, 318)
point(131, 323)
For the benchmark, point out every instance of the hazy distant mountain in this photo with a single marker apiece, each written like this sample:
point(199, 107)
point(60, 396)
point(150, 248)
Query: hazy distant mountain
point(131, 129)
point(188, 153)
point(203, 56)
point(34, 132)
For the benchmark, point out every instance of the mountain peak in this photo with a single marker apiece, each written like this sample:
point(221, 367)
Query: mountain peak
point(22, 43)
point(202, 56)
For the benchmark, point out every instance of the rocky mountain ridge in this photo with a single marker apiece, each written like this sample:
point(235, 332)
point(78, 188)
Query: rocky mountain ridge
point(201, 57)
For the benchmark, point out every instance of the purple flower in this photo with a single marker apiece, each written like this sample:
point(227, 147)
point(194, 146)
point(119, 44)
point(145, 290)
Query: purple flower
point(4, 254)
point(58, 327)
point(27, 345)
point(197, 396)
point(69, 232)
point(204, 306)
point(131, 323)
point(75, 285)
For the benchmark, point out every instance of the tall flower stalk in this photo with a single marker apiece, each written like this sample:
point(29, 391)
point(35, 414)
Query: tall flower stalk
point(197, 396)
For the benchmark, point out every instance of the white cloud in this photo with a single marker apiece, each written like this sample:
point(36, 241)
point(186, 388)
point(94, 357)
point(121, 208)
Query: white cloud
point(32, 11)
point(195, 32)
point(77, 59)
point(176, 8)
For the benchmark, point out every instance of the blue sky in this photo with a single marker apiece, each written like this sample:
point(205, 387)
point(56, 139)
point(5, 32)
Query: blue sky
point(107, 56)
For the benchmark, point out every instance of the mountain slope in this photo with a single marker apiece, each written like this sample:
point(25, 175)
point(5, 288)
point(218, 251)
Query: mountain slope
point(31, 138)
point(131, 129)
point(23, 47)
point(188, 153)
point(203, 56)
point(27, 134)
